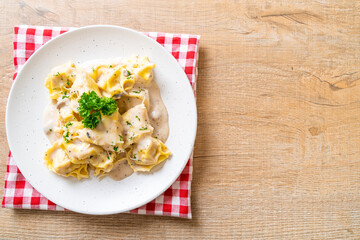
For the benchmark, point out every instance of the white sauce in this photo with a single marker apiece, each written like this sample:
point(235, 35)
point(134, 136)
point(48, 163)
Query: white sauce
point(121, 170)
point(158, 114)
point(50, 120)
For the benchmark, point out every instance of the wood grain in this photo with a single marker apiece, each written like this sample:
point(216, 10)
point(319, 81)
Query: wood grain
point(277, 151)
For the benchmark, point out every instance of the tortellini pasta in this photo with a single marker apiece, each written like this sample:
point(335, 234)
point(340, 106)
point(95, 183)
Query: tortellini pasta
point(126, 133)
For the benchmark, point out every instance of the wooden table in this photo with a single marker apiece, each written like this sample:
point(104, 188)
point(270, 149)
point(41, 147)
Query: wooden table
point(277, 153)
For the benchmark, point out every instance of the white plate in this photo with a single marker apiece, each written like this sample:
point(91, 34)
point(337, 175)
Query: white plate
point(28, 99)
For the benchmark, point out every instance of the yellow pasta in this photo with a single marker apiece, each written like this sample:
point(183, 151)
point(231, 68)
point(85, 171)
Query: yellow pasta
point(136, 124)
point(59, 162)
point(122, 134)
point(60, 80)
point(143, 157)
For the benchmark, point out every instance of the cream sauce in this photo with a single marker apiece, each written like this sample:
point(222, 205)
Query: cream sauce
point(121, 170)
point(157, 113)
point(50, 120)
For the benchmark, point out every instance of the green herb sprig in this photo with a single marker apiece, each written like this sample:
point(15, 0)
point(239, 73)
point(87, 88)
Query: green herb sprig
point(91, 106)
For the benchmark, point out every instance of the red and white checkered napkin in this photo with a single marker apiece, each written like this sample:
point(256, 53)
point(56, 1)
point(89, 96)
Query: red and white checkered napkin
point(175, 201)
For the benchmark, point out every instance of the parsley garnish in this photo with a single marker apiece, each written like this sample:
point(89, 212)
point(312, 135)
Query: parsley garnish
point(91, 156)
point(131, 138)
point(156, 137)
point(91, 106)
point(121, 138)
point(110, 66)
point(68, 124)
point(67, 82)
point(128, 72)
point(108, 157)
point(116, 148)
point(137, 118)
point(134, 156)
point(93, 69)
point(72, 75)
point(143, 128)
point(109, 106)
point(65, 136)
point(65, 96)
point(50, 130)
point(138, 91)
point(128, 123)
point(115, 74)
point(57, 74)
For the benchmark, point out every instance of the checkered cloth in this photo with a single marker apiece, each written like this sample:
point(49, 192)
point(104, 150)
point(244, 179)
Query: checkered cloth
point(175, 201)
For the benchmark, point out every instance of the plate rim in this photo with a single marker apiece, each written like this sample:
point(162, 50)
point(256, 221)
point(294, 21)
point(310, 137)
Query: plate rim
point(71, 31)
